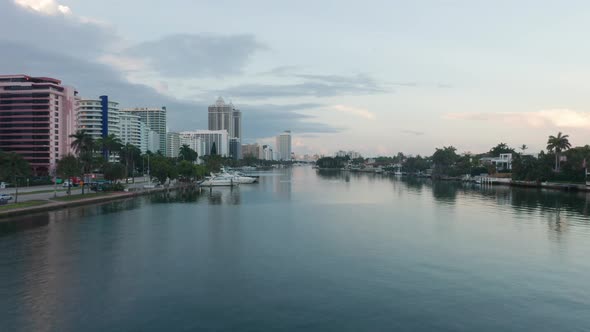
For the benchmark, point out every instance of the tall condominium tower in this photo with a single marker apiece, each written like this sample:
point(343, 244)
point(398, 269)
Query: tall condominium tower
point(131, 130)
point(155, 119)
point(284, 145)
point(172, 144)
point(226, 117)
point(37, 116)
point(99, 117)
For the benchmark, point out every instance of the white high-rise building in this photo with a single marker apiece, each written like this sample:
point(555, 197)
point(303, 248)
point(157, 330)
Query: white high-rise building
point(172, 145)
point(155, 119)
point(131, 129)
point(153, 141)
point(266, 153)
point(193, 142)
point(144, 133)
point(98, 117)
point(219, 137)
point(283, 147)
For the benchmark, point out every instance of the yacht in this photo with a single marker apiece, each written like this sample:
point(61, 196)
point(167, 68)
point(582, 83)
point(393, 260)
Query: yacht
point(219, 181)
point(238, 177)
point(243, 179)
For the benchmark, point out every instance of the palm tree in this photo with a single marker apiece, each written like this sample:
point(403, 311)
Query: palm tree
point(68, 167)
point(82, 141)
point(524, 147)
point(84, 145)
point(129, 153)
point(109, 144)
point(188, 154)
point(557, 144)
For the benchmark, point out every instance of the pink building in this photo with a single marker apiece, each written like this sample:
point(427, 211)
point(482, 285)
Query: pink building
point(37, 116)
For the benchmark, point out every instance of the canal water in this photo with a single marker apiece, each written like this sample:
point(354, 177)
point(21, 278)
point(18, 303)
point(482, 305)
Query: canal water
point(304, 251)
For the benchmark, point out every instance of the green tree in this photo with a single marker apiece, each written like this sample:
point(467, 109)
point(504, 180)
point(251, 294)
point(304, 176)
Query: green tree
point(331, 162)
point(201, 171)
point(114, 171)
point(82, 141)
point(443, 159)
point(213, 162)
point(69, 167)
point(574, 170)
point(500, 149)
point(84, 146)
point(109, 144)
point(128, 156)
point(523, 148)
point(188, 154)
point(558, 144)
point(213, 149)
point(186, 170)
point(529, 168)
point(416, 164)
point(13, 167)
point(161, 168)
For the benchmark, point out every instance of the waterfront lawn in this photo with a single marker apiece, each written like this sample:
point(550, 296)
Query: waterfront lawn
point(40, 192)
point(78, 197)
point(21, 205)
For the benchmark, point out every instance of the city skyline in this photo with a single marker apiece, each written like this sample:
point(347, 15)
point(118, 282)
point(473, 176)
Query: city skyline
point(395, 85)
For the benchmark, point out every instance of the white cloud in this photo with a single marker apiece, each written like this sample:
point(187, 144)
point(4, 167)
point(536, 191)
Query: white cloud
point(124, 63)
point(561, 118)
point(48, 7)
point(364, 113)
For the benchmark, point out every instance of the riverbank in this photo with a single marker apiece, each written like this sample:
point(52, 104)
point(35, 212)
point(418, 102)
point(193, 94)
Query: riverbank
point(87, 199)
point(483, 180)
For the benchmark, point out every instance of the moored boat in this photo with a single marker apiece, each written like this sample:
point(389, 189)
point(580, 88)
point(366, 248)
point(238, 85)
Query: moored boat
point(219, 181)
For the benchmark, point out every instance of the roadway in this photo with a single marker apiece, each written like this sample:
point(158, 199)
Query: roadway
point(47, 192)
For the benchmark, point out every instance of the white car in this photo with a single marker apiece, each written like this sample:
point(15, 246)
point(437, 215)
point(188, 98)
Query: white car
point(6, 197)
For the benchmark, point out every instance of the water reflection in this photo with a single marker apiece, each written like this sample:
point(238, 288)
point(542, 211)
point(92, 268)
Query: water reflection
point(445, 192)
point(558, 208)
point(18, 224)
point(302, 245)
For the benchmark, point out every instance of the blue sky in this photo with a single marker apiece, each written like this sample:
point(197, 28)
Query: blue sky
point(374, 76)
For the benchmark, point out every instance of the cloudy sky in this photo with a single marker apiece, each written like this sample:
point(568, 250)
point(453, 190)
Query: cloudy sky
point(373, 76)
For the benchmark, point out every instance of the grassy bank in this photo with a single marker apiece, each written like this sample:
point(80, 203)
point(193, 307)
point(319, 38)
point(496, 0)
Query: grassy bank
point(71, 198)
point(40, 192)
point(22, 205)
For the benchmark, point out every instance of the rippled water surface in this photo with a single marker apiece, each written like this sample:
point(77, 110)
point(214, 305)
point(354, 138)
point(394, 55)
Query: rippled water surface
point(304, 251)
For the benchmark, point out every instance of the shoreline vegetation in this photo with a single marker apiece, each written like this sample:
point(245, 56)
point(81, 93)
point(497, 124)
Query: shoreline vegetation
point(37, 206)
point(561, 166)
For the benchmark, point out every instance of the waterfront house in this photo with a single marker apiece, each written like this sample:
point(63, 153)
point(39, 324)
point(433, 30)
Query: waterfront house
point(503, 162)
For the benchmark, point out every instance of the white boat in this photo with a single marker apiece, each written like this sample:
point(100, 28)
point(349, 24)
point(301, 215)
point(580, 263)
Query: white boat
point(242, 179)
point(238, 177)
point(219, 181)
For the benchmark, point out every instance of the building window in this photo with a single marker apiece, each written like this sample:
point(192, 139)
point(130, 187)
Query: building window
point(56, 149)
point(56, 102)
point(57, 155)
point(57, 132)
point(56, 114)
point(56, 125)
point(56, 137)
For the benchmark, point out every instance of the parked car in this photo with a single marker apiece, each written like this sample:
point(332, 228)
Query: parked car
point(5, 197)
point(100, 185)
